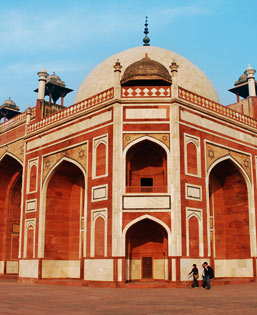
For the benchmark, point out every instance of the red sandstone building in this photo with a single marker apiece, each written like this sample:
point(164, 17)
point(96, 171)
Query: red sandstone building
point(143, 176)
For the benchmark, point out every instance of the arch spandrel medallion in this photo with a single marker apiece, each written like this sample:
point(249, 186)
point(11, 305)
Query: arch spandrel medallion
point(162, 137)
point(215, 152)
point(15, 148)
point(78, 153)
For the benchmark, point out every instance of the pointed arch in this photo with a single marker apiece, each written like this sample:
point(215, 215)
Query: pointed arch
point(141, 218)
point(12, 156)
point(250, 198)
point(100, 159)
point(233, 160)
point(53, 168)
point(42, 210)
point(191, 158)
point(198, 215)
point(143, 138)
point(146, 164)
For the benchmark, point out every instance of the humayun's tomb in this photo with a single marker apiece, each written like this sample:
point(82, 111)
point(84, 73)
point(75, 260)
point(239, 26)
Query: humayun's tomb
point(144, 175)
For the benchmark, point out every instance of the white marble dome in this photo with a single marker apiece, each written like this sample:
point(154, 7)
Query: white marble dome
point(189, 76)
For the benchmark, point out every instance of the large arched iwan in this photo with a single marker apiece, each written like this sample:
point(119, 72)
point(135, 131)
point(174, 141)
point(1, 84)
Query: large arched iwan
point(64, 207)
point(146, 168)
point(146, 250)
point(10, 203)
point(229, 205)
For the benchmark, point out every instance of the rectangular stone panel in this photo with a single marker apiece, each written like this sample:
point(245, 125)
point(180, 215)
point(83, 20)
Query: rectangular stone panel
point(99, 193)
point(28, 268)
point(60, 269)
point(12, 267)
point(146, 113)
point(193, 192)
point(31, 205)
point(160, 269)
point(233, 268)
point(146, 202)
point(1, 267)
point(98, 269)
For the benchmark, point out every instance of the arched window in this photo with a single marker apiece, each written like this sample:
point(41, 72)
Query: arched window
point(30, 241)
point(33, 177)
point(146, 168)
point(101, 160)
point(191, 158)
point(99, 236)
point(193, 237)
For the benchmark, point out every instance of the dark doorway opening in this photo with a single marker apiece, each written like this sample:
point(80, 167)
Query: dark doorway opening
point(146, 183)
point(147, 268)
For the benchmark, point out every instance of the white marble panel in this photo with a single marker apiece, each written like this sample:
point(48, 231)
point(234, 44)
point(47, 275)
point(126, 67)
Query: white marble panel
point(99, 193)
point(135, 265)
point(119, 269)
point(146, 113)
point(146, 202)
point(233, 268)
point(98, 269)
point(60, 269)
point(28, 268)
point(1, 267)
point(31, 205)
point(193, 192)
point(12, 267)
point(159, 269)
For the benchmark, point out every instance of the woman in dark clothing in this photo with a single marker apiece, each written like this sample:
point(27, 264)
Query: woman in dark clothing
point(195, 273)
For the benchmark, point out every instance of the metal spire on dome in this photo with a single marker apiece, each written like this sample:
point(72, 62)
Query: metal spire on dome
point(146, 39)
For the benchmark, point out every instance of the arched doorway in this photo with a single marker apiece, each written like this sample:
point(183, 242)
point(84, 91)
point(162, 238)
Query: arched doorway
point(64, 210)
point(146, 251)
point(229, 207)
point(10, 209)
point(146, 168)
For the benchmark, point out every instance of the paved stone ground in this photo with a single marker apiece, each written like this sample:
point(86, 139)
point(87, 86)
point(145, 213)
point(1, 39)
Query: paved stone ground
point(35, 299)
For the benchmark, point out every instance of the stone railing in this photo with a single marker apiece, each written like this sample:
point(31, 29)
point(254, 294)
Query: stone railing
point(16, 120)
point(72, 110)
point(216, 107)
point(145, 91)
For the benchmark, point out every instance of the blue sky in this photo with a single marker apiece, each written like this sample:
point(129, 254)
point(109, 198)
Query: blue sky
point(72, 37)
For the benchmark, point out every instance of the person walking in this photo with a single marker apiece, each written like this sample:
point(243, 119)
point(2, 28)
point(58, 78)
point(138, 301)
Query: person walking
point(207, 275)
point(195, 274)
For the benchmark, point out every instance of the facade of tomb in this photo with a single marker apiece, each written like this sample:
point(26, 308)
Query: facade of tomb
point(144, 175)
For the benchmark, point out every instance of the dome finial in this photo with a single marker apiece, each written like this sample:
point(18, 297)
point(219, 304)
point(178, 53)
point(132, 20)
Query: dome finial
point(146, 39)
